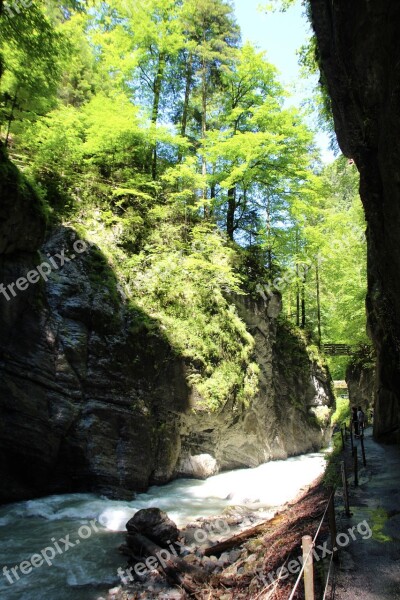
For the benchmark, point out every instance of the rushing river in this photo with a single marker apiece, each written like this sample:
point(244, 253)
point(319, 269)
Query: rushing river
point(80, 533)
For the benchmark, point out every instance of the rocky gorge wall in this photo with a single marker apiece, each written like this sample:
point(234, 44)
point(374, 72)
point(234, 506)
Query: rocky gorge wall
point(361, 385)
point(288, 417)
point(90, 400)
point(359, 55)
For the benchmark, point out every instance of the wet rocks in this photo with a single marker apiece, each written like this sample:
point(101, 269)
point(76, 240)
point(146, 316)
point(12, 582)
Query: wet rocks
point(201, 466)
point(155, 525)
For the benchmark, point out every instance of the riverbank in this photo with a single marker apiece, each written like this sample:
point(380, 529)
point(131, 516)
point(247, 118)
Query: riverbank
point(264, 563)
point(247, 567)
point(89, 567)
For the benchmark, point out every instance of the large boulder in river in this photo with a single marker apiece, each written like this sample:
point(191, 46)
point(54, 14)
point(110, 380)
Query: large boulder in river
point(201, 466)
point(155, 525)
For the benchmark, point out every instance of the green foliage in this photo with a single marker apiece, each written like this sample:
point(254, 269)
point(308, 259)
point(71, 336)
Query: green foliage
point(342, 412)
point(27, 189)
point(324, 251)
point(293, 341)
point(364, 357)
point(332, 476)
point(337, 366)
point(179, 280)
point(32, 52)
point(156, 133)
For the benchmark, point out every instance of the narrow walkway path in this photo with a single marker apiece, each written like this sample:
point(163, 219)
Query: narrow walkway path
point(370, 565)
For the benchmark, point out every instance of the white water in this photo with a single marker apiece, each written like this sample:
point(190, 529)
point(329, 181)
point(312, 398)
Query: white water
point(85, 571)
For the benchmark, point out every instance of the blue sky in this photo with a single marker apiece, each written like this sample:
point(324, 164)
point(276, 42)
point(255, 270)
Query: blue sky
point(281, 35)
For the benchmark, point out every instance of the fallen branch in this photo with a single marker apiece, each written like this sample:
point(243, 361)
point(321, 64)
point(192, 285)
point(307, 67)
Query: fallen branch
point(176, 570)
point(239, 538)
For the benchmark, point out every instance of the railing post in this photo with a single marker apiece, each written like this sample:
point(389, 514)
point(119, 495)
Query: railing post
point(345, 490)
point(343, 442)
point(332, 525)
point(363, 451)
point(355, 462)
point(345, 431)
point(308, 568)
point(351, 437)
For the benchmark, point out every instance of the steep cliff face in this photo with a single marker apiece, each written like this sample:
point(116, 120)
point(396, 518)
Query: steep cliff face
point(93, 398)
point(84, 390)
point(361, 380)
point(288, 415)
point(361, 385)
point(360, 59)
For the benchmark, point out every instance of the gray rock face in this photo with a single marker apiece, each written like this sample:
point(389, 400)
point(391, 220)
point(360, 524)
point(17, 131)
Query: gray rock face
point(361, 385)
point(84, 390)
point(279, 422)
point(19, 207)
point(360, 57)
point(93, 399)
point(201, 466)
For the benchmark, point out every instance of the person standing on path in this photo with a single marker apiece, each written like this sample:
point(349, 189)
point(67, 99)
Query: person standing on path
point(361, 420)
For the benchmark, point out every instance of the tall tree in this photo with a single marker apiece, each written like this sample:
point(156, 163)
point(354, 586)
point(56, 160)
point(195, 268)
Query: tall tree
point(157, 36)
point(212, 35)
point(31, 49)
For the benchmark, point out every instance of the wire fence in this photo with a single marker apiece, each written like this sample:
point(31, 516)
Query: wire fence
point(306, 573)
point(312, 546)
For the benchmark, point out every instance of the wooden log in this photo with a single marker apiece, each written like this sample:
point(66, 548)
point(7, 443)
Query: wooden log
point(232, 542)
point(176, 570)
point(240, 538)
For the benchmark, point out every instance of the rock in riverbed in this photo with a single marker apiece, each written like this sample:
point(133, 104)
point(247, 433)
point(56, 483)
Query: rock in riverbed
point(155, 525)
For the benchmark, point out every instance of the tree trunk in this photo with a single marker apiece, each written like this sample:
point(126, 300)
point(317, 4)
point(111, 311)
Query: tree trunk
point(297, 297)
point(11, 116)
point(204, 133)
point(230, 216)
point(318, 303)
point(188, 88)
point(176, 570)
point(269, 233)
point(162, 61)
point(303, 308)
point(185, 110)
point(303, 299)
point(297, 282)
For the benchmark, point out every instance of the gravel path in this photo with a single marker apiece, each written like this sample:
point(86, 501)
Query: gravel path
point(370, 565)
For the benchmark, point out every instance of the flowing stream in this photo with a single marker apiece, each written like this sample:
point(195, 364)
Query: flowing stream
point(79, 533)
